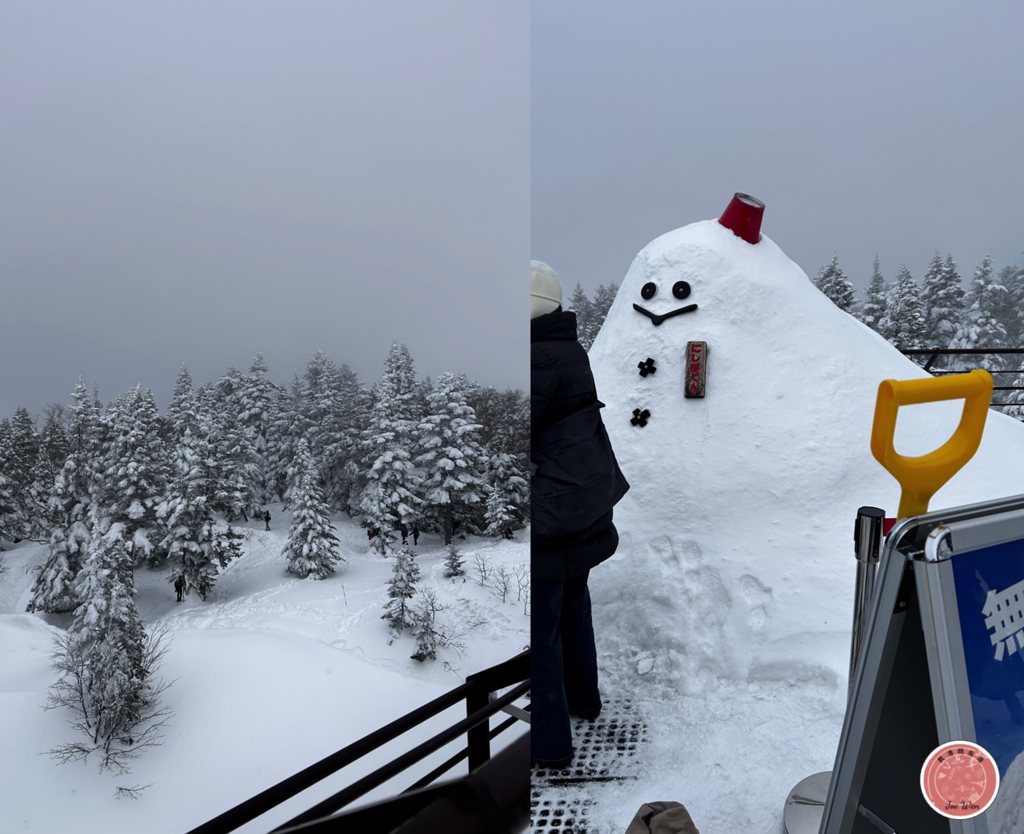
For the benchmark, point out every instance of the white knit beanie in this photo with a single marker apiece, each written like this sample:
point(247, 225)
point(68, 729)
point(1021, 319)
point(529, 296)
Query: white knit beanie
point(545, 290)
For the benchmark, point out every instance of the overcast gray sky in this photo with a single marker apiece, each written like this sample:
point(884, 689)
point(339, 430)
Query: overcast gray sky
point(866, 127)
point(194, 182)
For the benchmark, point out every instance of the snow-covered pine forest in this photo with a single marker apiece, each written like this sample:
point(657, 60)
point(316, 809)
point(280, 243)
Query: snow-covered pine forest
point(943, 311)
point(444, 455)
point(104, 505)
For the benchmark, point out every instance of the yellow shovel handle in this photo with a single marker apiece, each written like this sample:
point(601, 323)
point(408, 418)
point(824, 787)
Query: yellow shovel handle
point(921, 477)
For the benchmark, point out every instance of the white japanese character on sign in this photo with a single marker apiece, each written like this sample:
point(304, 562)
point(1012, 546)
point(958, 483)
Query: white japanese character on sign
point(1004, 612)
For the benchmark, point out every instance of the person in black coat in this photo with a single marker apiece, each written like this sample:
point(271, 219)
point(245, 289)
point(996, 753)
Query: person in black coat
point(179, 586)
point(575, 481)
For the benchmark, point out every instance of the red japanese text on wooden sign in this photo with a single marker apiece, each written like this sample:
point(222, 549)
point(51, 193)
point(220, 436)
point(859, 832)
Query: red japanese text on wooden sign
point(696, 369)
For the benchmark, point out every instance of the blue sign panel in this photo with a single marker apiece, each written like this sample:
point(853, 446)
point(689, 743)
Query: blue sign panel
point(990, 600)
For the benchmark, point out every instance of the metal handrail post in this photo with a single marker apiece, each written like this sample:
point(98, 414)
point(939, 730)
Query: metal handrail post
point(867, 544)
point(805, 805)
point(478, 739)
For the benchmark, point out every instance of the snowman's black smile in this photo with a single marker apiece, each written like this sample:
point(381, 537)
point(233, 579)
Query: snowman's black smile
point(689, 308)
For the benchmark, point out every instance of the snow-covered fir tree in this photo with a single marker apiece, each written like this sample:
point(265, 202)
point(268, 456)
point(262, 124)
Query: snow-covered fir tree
point(873, 310)
point(53, 451)
point(504, 417)
point(106, 663)
point(183, 392)
point(282, 437)
point(401, 589)
point(134, 474)
point(235, 466)
point(19, 450)
point(943, 300)
point(903, 322)
point(393, 481)
point(334, 405)
point(450, 455)
point(425, 632)
point(453, 562)
point(53, 590)
point(980, 326)
point(257, 409)
point(229, 386)
point(195, 547)
point(507, 491)
point(835, 286)
point(312, 548)
point(1011, 308)
point(586, 323)
point(11, 522)
point(24, 447)
point(603, 298)
point(1015, 399)
point(347, 476)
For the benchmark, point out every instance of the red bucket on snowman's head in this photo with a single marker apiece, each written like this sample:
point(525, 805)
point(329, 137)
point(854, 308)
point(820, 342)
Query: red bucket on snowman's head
point(743, 215)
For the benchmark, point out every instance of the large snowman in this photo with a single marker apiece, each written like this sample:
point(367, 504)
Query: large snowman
point(736, 553)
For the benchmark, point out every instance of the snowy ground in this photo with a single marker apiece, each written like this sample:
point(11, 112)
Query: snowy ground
point(270, 674)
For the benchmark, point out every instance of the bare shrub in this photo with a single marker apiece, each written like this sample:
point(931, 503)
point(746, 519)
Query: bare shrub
point(117, 730)
point(483, 569)
point(502, 583)
point(522, 574)
point(133, 792)
point(448, 637)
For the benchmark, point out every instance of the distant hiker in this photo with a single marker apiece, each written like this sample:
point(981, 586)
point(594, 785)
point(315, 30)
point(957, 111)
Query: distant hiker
point(572, 529)
point(179, 586)
point(415, 534)
point(370, 533)
point(266, 518)
point(404, 532)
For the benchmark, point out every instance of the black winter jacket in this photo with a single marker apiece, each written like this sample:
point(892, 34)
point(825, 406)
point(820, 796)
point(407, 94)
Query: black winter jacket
point(578, 480)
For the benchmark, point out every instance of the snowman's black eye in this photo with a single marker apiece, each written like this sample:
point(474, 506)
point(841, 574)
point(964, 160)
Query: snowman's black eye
point(648, 290)
point(680, 289)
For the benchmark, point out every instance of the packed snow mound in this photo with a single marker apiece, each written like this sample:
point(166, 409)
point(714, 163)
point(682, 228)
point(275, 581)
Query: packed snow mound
point(1006, 816)
point(736, 534)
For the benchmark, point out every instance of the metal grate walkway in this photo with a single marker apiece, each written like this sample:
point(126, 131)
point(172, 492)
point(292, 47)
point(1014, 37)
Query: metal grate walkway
point(607, 750)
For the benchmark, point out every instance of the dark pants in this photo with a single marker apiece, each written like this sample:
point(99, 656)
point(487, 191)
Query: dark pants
point(563, 666)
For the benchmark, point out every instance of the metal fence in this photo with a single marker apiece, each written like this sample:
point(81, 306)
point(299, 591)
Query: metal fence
point(934, 353)
point(499, 787)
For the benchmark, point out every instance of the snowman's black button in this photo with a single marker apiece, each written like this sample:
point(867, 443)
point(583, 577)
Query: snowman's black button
point(640, 417)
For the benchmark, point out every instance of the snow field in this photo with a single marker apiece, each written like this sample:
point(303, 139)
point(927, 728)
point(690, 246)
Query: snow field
point(270, 674)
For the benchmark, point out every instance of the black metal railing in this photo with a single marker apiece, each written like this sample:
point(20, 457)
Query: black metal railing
point(494, 799)
point(478, 693)
point(934, 353)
